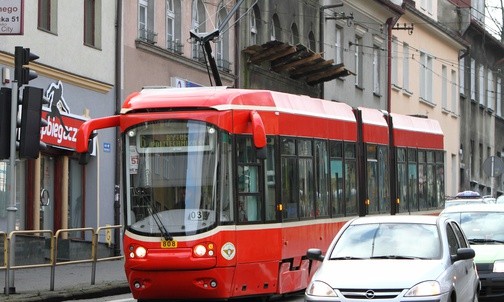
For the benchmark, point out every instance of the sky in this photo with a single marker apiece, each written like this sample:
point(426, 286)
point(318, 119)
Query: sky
point(493, 15)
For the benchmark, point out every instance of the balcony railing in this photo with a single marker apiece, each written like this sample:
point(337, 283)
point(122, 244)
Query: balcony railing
point(175, 46)
point(147, 35)
point(224, 65)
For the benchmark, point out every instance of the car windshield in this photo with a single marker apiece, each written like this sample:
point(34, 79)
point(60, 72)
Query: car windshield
point(481, 227)
point(388, 241)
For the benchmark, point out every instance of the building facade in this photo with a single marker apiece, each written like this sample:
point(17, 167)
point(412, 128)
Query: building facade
point(480, 94)
point(424, 77)
point(75, 42)
point(157, 49)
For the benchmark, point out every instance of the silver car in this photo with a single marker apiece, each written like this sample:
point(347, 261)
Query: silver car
point(396, 258)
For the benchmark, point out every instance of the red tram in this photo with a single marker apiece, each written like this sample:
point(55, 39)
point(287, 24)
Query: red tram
point(225, 189)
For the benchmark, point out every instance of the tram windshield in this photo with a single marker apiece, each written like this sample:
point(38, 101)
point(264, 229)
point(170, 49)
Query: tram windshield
point(173, 176)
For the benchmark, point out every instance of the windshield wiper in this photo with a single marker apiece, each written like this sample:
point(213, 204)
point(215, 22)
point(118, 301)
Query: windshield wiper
point(347, 258)
point(146, 198)
point(396, 257)
point(482, 240)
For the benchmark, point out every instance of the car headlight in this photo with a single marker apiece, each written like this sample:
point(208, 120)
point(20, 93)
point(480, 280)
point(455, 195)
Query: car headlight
point(498, 266)
point(427, 288)
point(321, 289)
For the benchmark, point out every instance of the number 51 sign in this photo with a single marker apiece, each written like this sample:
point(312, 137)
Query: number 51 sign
point(11, 17)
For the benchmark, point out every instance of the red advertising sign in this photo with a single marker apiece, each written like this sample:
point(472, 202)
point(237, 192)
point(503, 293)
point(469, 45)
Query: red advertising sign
point(62, 126)
point(60, 130)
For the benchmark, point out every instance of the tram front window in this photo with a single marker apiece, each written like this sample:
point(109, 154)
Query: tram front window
point(172, 177)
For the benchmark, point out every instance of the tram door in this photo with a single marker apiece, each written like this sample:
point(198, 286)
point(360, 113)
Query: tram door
point(47, 174)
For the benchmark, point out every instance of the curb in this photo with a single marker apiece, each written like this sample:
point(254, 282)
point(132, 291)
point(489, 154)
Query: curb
point(87, 292)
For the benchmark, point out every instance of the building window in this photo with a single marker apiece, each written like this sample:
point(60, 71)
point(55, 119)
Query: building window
point(170, 24)
point(222, 45)
point(498, 96)
point(406, 67)
point(444, 87)
point(338, 45)
point(254, 25)
point(395, 63)
point(358, 62)
point(454, 95)
point(426, 77)
point(173, 12)
point(311, 41)
point(294, 34)
point(275, 28)
point(481, 85)
point(48, 15)
point(376, 70)
point(377, 65)
point(146, 21)
point(462, 76)
point(92, 23)
point(490, 90)
point(473, 80)
point(198, 25)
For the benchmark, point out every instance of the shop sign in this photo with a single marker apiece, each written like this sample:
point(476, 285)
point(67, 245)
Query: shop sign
point(62, 126)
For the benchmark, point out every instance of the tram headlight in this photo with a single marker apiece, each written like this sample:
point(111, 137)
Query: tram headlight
point(199, 250)
point(140, 252)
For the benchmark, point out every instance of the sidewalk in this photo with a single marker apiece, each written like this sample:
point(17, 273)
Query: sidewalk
point(71, 282)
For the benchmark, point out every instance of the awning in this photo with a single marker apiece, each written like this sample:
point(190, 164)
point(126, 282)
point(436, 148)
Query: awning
point(299, 62)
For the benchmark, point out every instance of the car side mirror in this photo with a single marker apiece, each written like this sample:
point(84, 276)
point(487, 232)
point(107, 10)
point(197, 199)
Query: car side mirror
point(464, 254)
point(315, 254)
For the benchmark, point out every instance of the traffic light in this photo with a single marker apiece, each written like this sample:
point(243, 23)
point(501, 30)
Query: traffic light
point(5, 122)
point(22, 57)
point(31, 121)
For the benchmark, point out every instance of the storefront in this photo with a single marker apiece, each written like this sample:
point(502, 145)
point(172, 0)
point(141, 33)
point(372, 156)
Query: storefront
point(55, 191)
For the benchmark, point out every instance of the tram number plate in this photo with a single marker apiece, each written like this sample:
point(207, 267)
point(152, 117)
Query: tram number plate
point(168, 244)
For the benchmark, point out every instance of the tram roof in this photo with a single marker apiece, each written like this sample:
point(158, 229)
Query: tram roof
point(430, 133)
point(222, 98)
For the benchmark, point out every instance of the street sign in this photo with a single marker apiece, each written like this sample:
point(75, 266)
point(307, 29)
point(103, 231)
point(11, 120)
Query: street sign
point(493, 166)
point(11, 17)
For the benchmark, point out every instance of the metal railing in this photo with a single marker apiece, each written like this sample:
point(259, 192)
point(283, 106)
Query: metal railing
point(9, 251)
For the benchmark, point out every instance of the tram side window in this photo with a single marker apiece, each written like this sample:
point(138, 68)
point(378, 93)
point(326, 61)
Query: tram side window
point(270, 183)
point(290, 190)
point(402, 183)
point(350, 179)
point(337, 179)
point(225, 188)
point(412, 180)
point(306, 179)
point(440, 178)
point(383, 180)
point(249, 202)
point(321, 179)
point(372, 177)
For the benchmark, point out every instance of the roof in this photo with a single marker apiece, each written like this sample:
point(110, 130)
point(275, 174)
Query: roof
point(299, 62)
point(222, 98)
point(477, 207)
point(426, 219)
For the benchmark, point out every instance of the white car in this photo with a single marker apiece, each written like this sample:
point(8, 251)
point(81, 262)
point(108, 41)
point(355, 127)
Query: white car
point(396, 258)
point(484, 227)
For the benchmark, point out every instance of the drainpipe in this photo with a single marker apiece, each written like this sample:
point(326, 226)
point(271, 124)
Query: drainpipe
point(390, 23)
point(118, 96)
